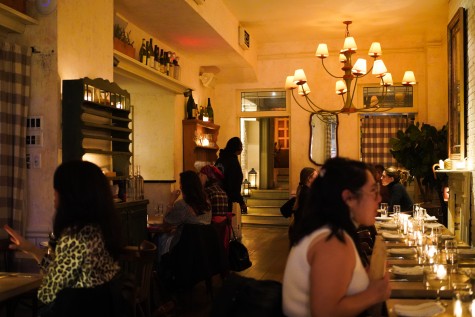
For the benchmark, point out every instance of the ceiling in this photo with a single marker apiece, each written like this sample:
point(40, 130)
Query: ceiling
point(396, 24)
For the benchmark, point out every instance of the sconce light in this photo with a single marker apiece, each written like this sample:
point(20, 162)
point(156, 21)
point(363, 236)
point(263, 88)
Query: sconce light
point(246, 192)
point(252, 175)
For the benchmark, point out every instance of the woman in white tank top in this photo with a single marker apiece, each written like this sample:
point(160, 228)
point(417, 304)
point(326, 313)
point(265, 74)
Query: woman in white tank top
point(324, 275)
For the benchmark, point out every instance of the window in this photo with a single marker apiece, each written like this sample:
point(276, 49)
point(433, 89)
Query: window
point(263, 101)
point(376, 130)
point(396, 96)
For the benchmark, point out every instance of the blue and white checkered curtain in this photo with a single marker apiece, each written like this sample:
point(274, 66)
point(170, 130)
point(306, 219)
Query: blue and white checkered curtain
point(15, 62)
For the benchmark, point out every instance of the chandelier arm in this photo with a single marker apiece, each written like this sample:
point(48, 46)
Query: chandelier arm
point(298, 103)
point(353, 92)
point(328, 72)
point(310, 103)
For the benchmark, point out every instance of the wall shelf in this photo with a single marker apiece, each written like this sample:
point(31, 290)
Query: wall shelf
point(131, 68)
point(13, 21)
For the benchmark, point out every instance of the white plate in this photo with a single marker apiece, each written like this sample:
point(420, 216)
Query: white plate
point(392, 236)
point(407, 270)
point(383, 218)
point(402, 251)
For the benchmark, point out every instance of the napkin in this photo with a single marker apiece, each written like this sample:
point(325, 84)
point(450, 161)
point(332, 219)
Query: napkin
point(407, 270)
point(421, 310)
point(392, 236)
point(432, 225)
point(389, 225)
point(430, 218)
point(402, 251)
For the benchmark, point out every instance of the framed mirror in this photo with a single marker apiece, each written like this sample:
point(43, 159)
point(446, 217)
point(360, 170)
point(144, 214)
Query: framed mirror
point(457, 108)
point(323, 137)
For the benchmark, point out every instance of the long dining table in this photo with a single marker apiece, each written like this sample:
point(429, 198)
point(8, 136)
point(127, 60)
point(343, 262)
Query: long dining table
point(411, 290)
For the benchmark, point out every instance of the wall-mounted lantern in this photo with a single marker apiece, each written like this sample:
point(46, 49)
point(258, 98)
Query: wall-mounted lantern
point(252, 176)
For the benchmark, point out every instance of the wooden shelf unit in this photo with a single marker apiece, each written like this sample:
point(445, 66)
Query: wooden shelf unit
point(193, 150)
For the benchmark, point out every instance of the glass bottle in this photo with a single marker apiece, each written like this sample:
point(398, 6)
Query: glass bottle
point(189, 107)
point(143, 53)
point(202, 111)
point(209, 109)
point(150, 59)
point(139, 183)
point(176, 73)
point(156, 58)
point(130, 183)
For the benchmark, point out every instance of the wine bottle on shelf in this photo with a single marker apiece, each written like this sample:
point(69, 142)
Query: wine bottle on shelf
point(167, 63)
point(177, 68)
point(150, 61)
point(147, 52)
point(156, 60)
point(142, 52)
point(162, 62)
point(202, 111)
point(210, 111)
point(195, 111)
point(171, 56)
point(189, 107)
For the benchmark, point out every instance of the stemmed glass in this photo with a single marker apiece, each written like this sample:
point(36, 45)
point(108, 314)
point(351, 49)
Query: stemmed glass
point(436, 278)
point(451, 254)
point(384, 209)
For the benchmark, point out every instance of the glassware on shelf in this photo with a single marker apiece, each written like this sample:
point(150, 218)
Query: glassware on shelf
point(139, 184)
point(130, 189)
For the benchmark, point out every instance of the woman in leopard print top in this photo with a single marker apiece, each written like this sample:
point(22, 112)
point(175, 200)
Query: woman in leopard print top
point(87, 225)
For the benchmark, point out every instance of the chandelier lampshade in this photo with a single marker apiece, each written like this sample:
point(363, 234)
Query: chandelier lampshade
point(347, 82)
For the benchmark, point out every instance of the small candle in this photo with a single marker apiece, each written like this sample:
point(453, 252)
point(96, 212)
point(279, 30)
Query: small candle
point(441, 272)
point(458, 308)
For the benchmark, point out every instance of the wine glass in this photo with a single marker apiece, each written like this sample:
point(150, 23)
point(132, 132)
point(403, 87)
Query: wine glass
point(384, 209)
point(437, 278)
point(451, 253)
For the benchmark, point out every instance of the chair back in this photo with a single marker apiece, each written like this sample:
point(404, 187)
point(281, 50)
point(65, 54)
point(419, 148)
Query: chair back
point(139, 261)
point(197, 256)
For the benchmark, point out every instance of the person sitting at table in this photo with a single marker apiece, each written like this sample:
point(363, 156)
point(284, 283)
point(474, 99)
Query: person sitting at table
point(88, 245)
point(397, 192)
point(194, 207)
point(211, 179)
point(324, 274)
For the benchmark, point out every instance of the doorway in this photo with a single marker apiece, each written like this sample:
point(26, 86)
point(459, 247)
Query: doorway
point(266, 148)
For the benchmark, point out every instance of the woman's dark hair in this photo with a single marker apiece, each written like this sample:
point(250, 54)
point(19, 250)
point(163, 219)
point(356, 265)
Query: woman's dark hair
point(233, 145)
point(193, 192)
point(305, 173)
point(325, 205)
point(85, 198)
point(394, 173)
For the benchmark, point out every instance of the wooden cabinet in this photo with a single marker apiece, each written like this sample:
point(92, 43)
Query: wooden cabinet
point(134, 221)
point(97, 125)
point(199, 143)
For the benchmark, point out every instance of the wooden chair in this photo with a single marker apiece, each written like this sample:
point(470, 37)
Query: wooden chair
point(139, 262)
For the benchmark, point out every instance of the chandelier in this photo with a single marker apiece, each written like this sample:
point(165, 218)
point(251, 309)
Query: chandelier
point(352, 72)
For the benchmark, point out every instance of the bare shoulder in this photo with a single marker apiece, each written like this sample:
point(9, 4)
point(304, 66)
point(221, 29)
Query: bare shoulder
point(331, 248)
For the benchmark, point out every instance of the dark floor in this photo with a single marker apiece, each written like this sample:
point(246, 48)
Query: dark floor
point(268, 250)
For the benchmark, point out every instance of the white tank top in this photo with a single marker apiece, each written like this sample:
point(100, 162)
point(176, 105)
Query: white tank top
point(296, 283)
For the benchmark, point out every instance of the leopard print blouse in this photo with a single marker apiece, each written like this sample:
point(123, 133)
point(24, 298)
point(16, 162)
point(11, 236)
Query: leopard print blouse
point(80, 260)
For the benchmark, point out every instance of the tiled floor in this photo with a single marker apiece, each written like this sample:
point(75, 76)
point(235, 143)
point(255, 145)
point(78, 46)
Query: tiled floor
point(268, 248)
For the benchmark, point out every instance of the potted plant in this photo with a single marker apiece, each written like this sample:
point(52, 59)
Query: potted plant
point(122, 41)
point(418, 148)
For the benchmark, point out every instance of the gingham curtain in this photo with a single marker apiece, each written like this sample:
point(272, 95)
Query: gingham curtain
point(15, 63)
point(376, 130)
